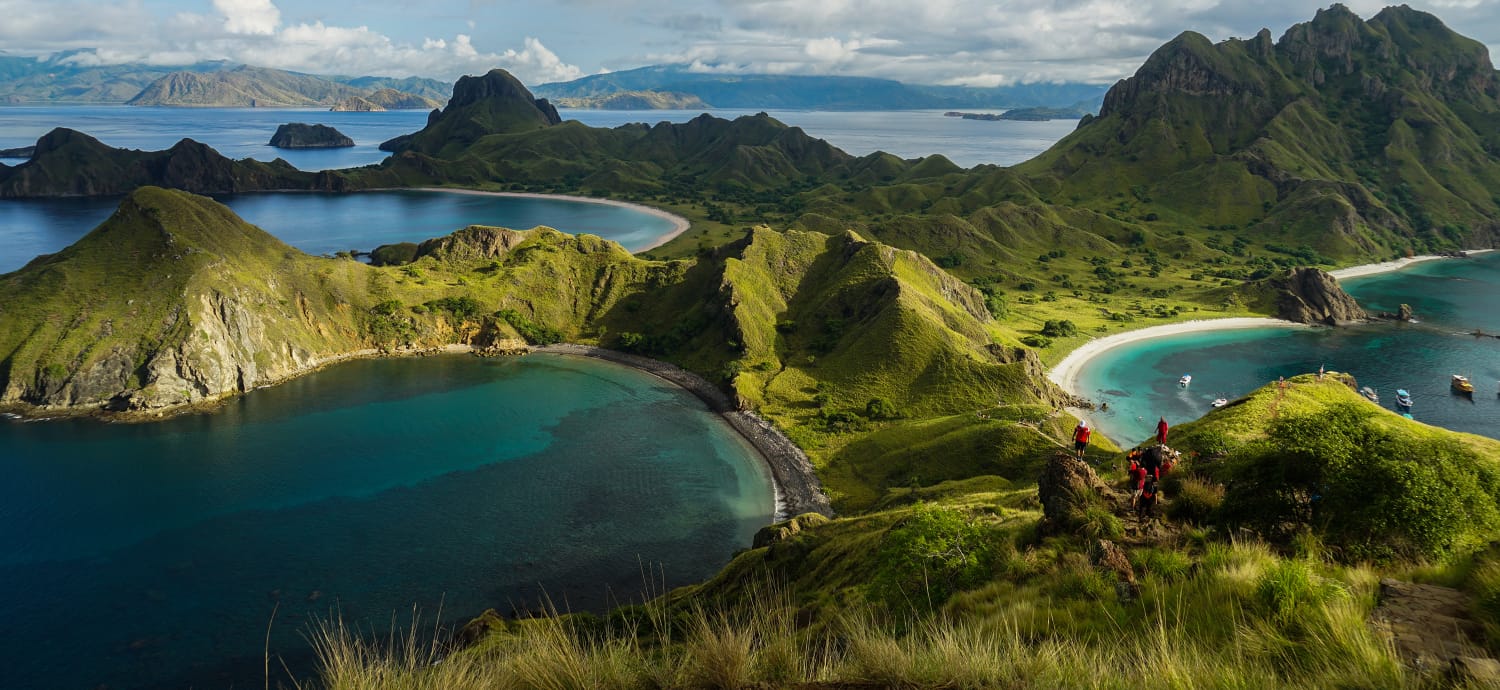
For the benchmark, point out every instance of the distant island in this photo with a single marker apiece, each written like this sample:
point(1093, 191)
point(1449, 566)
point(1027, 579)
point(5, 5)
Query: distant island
point(21, 152)
point(298, 135)
point(1023, 114)
point(634, 100)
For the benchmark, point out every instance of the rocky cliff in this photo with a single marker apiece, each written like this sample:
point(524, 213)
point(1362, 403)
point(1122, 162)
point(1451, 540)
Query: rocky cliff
point(299, 135)
point(1311, 295)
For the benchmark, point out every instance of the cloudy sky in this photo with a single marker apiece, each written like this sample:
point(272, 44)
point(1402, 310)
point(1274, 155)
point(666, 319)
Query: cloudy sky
point(973, 42)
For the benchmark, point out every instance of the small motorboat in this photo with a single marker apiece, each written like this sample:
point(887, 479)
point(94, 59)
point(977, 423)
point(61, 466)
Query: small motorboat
point(1185, 380)
point(1370, 394)
point(1462, 386)
point(1220, 402)
point(1403, 401)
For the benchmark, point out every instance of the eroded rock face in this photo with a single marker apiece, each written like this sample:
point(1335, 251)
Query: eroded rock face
point(1311, 295)
point(1066, 488)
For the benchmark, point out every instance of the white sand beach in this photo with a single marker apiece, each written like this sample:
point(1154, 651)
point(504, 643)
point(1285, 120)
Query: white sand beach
point(679, 224)
point(1065, 374)
point(1388, 266)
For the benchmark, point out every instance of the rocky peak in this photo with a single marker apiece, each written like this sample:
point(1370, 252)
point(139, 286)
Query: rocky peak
point(500, 85)
point(63, 137)
point(1186, 65)
point(1311, 295)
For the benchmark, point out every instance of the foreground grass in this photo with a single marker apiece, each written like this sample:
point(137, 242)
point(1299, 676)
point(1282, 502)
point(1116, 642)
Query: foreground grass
point(1244, 618)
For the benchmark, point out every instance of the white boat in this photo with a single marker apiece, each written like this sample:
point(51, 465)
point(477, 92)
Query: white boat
point(1185, 380)
point(1220, 402)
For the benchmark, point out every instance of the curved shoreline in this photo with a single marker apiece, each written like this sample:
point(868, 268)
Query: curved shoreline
point(679, 224)
point(793, 480)
point(1065, 373)
point(1388, 266)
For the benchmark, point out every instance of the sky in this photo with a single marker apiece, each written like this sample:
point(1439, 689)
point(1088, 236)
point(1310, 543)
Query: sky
point(963, 42)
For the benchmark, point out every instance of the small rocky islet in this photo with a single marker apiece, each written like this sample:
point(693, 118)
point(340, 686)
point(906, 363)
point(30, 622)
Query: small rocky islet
point(298, 135)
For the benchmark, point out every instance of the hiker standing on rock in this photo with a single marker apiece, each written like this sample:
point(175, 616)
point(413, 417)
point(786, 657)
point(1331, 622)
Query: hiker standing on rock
point(1081, 435)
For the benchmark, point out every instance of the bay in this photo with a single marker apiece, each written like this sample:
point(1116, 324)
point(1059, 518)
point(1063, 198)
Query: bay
point(153, 555)
point(1451, 299)
point(324, 223)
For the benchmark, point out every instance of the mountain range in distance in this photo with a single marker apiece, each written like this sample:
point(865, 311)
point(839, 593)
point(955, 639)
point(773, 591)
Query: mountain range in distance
point(60, 80)
point(721, 90)
point(57, 80)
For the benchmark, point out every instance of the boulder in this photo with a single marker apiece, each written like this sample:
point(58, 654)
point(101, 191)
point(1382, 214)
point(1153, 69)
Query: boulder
point(1066, 488)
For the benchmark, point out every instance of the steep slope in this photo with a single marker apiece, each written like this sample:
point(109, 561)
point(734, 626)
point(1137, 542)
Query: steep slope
point(634, 100)
point(1360, 138)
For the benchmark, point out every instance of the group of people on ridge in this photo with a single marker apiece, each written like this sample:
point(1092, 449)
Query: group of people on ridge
point(1146, 466)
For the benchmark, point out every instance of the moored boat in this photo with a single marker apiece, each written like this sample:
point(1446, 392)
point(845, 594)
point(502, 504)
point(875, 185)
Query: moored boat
point(1462, 386)
point(1220, 402)
point(1403, 401)
point(1185, 380)
point(1370, 394)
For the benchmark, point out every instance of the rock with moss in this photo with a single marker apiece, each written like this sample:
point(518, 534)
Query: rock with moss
point(782, 531)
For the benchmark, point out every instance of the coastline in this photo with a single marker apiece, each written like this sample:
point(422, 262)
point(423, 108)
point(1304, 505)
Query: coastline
point(1066, 372)
point(1388, 266)
point(795, 485)
point(679, 224)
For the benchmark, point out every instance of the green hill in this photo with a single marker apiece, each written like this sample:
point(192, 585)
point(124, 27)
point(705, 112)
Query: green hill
point(855, 348)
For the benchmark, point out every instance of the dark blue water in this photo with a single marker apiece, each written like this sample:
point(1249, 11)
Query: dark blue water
point(153, 555)
point(319, 223)
point(1450, 299)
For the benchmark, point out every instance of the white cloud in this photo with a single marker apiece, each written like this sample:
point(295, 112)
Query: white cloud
point(258, 17)
point(252, 32)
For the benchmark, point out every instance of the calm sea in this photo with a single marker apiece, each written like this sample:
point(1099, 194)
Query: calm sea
point(153, 555)
point(244, 132)
point(1451, 299)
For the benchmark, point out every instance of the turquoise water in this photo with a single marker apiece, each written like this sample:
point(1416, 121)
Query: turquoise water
point(319, 223)
point(153, 555)
point(1450, 299)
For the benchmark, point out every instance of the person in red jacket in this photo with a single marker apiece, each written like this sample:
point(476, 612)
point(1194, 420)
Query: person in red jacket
point(1081, 435)
point(1161, 431)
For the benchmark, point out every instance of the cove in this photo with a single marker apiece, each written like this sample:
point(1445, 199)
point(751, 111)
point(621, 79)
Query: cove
point(153, 555)
point(324, 223)
point(1450, 299)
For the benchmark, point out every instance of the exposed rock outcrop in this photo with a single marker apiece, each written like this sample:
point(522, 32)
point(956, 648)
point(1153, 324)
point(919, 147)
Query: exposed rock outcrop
point(786, 529)
point(1311, 295)
point(300, 135)
point(1067, 488)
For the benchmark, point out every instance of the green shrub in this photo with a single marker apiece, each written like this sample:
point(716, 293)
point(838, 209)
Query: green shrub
point(393, 254)
point(1369, 492)
point(1037, 341)
point(464, 307)
point(1195, 500)
point(930, 556)
point(533, 332)
point(1059, 329)
point(880, 408)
